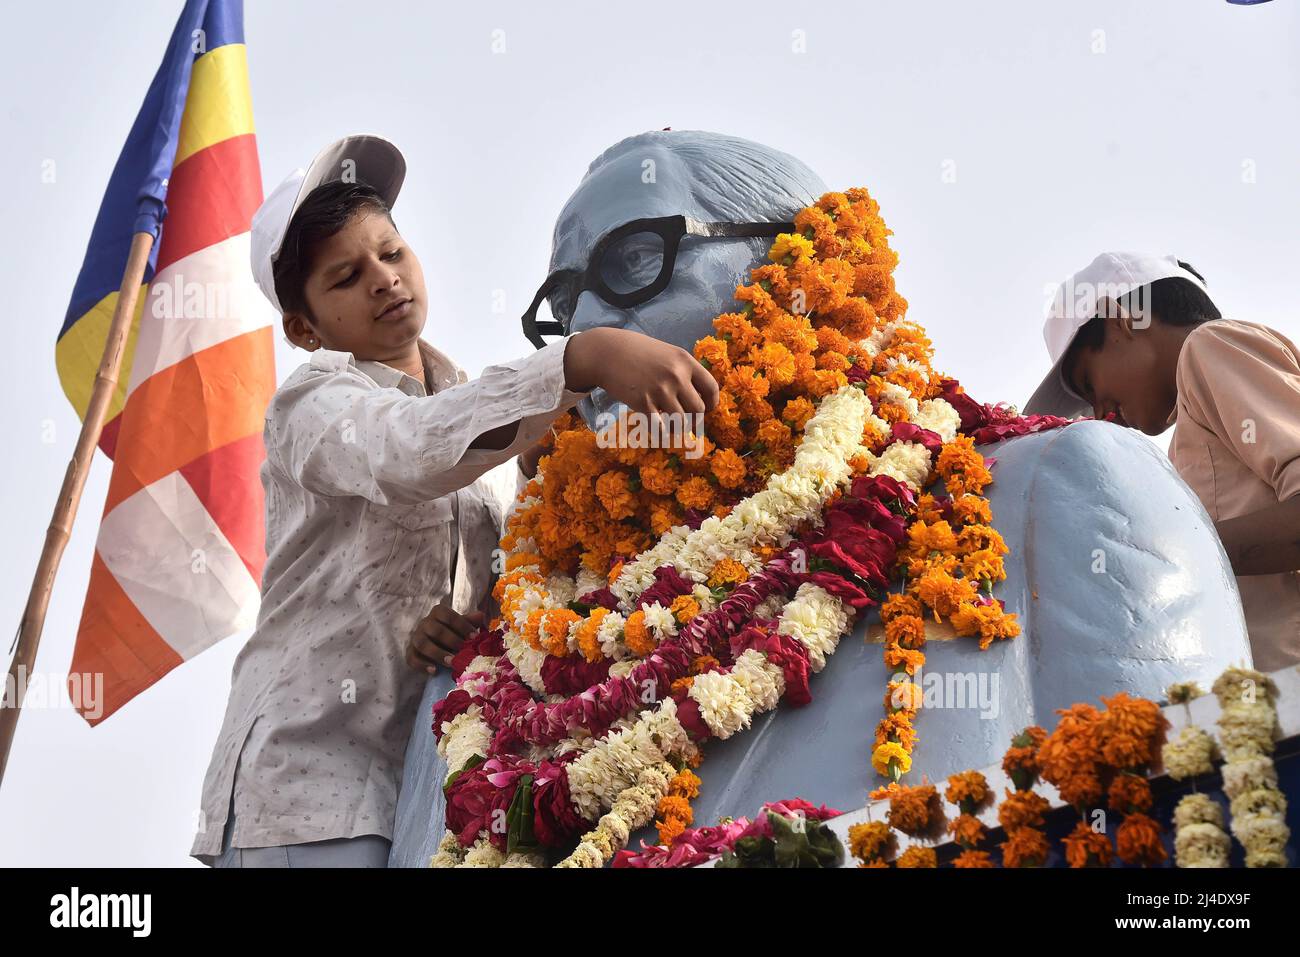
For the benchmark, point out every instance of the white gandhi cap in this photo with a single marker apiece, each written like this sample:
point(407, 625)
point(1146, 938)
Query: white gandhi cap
point(371, 160)
point(1110, 275)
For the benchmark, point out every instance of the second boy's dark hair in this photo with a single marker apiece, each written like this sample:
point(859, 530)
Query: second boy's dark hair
point(327, 209)
point(1177, 301)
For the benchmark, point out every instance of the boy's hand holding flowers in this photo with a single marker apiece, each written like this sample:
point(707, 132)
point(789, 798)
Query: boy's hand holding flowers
point(438, 636)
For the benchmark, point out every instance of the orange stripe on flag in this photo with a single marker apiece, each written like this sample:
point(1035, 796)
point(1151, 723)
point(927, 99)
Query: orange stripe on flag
point(114, 640)
point(206, 401)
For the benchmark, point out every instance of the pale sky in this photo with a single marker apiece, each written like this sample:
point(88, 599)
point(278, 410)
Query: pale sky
point(1007, 145)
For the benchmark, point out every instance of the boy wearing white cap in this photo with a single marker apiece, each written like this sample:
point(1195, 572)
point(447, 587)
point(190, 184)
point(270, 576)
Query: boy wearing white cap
point(380, 523)
point(1137, 339)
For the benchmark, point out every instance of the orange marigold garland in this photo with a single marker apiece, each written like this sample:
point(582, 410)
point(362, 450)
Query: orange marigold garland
point(968, 790)
point(1107, 752)
point(818, 336)
point(673, 813)
point(1023, 812)
point(870, 842)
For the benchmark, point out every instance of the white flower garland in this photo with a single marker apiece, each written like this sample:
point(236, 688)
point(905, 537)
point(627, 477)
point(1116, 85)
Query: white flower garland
point(1247, 727)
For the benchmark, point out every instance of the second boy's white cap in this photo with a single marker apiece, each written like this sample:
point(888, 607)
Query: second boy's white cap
point(371, 160)
point(1110, 275)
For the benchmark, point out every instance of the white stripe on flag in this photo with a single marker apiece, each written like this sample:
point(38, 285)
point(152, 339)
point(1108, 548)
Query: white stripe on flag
point(175, 564)
point(197, 302)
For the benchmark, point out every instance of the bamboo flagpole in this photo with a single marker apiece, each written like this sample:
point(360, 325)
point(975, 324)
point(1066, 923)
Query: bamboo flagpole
point(74, 481)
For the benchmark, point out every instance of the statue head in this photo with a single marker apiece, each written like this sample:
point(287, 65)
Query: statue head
point(713, 203)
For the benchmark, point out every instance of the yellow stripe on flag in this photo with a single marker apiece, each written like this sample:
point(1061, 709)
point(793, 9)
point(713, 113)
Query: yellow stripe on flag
point(218, 105)
point(80, 350)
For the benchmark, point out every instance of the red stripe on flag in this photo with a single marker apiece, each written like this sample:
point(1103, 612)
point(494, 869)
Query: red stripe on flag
point(108, 436)
point(212, 196)
point(227, 482)
point(115, 640)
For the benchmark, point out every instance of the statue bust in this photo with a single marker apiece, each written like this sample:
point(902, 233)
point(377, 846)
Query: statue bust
point(1115, 571)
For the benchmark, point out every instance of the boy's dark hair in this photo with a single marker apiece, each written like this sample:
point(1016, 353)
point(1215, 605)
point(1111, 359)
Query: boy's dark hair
point(1177, 301)
point(327, 209)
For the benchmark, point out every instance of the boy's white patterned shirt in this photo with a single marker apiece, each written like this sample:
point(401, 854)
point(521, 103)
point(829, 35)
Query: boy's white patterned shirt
point(371, 491)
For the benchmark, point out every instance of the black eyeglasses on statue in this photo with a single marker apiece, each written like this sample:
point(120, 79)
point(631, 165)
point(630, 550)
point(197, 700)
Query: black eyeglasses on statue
point(628, 266)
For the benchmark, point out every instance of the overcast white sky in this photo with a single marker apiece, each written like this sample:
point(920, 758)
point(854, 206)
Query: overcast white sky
point(1072, 128)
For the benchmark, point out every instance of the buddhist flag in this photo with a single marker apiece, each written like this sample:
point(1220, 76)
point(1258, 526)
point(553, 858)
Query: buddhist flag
point(178, 560)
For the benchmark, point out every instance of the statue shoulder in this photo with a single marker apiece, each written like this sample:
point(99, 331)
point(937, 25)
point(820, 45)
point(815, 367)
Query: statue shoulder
point(1097, 478)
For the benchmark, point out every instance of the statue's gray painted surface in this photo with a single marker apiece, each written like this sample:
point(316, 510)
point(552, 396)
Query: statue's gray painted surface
point(1133, 588)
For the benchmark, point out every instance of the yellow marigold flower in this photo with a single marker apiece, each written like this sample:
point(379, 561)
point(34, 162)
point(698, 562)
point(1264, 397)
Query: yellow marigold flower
point(792, 245)
point(890, 751)
point(684, 608)
point(681, 684)
point(727, 572)
point(615, 572)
